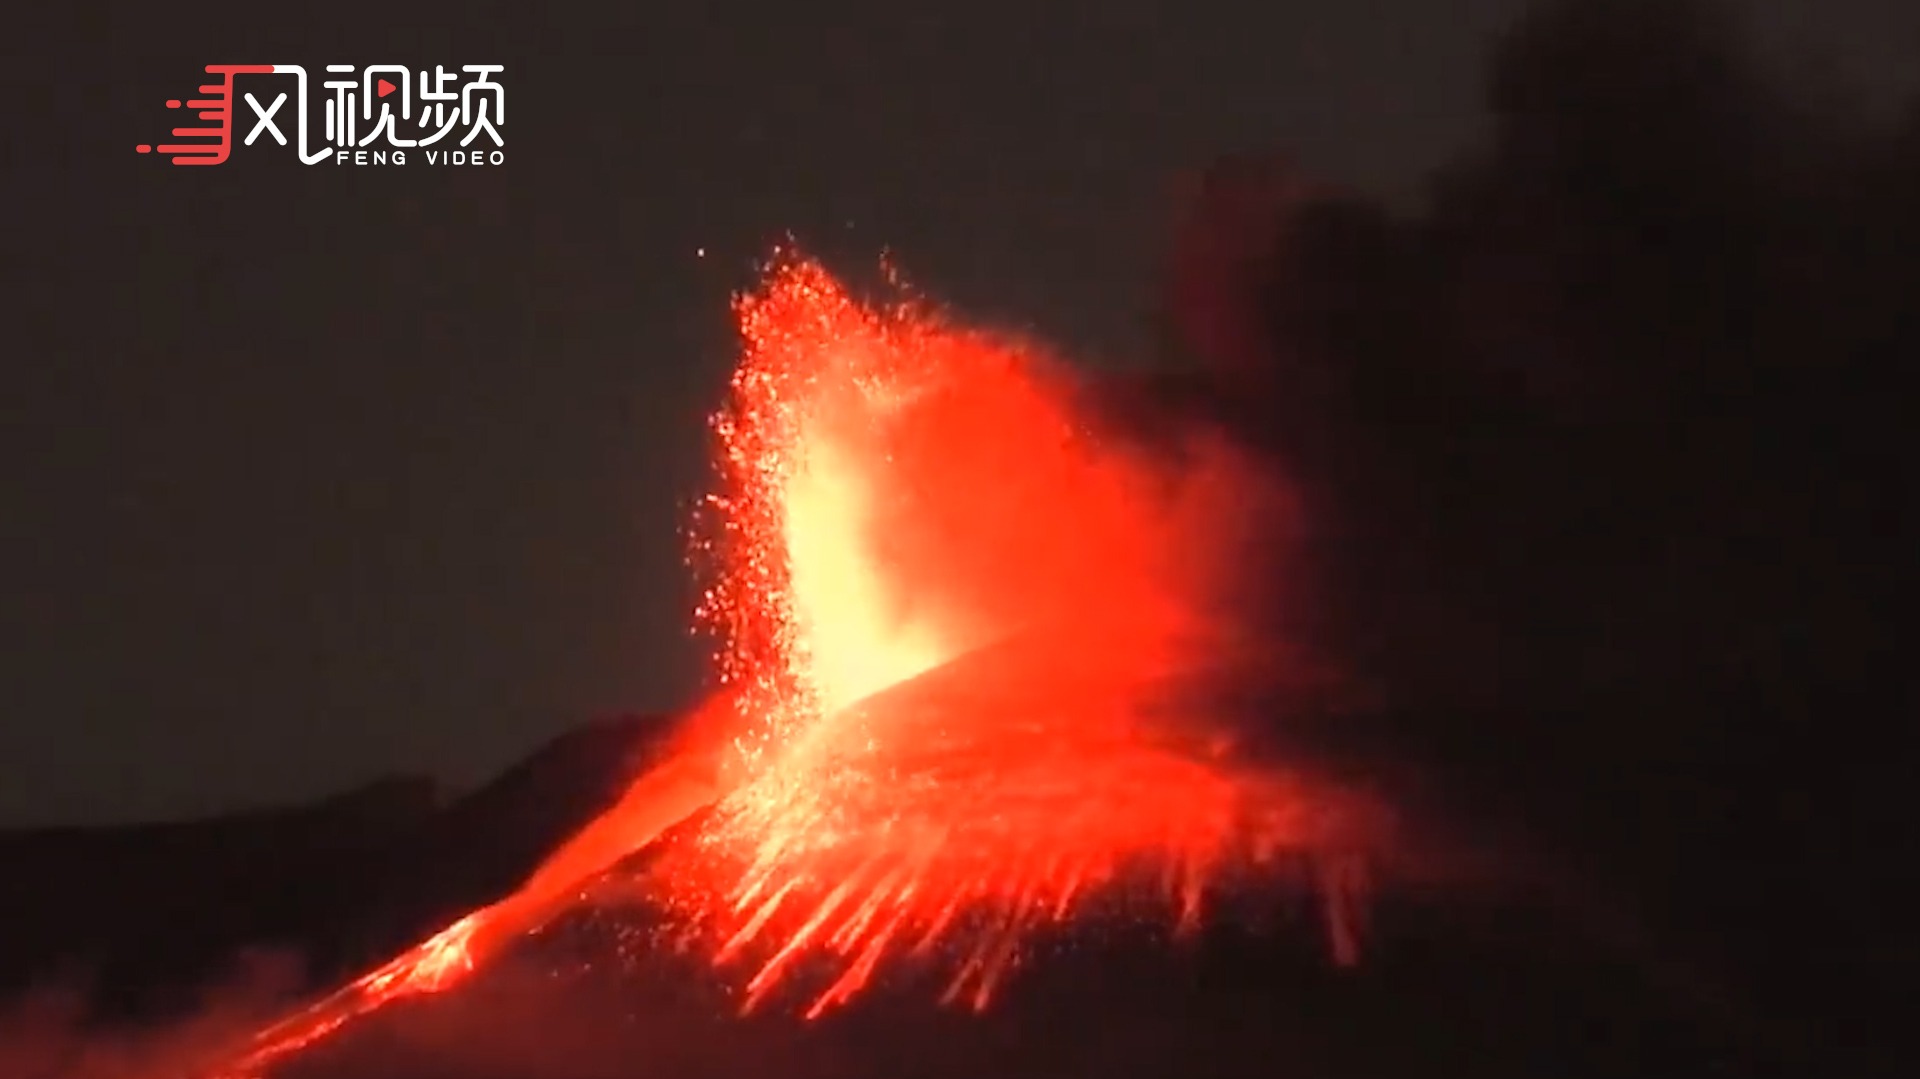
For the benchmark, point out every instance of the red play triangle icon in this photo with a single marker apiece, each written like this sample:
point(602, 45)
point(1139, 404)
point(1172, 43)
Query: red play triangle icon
point(383, 88)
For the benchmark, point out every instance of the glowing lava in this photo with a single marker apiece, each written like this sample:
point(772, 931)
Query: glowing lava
point(975, 635)
point(967, 646)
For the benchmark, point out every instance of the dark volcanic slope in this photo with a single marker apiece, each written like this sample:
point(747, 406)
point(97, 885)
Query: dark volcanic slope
point(153, 912)
point(1466, 981)
point(1451, 989)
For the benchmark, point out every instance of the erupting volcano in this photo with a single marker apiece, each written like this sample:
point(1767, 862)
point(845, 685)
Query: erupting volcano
point(969, 647)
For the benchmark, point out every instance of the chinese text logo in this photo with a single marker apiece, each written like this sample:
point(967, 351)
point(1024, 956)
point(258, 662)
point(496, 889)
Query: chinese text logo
point(374, 118)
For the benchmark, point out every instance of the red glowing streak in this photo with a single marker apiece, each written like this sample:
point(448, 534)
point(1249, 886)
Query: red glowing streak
point(949, 616)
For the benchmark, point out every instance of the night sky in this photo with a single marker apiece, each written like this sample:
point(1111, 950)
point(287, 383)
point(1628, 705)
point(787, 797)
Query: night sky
point(314, 474)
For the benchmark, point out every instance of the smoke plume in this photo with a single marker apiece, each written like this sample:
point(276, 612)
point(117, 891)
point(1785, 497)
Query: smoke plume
point(1601, 450)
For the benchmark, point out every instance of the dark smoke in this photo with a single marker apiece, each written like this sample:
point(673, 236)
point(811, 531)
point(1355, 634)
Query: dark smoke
point(1603, 451)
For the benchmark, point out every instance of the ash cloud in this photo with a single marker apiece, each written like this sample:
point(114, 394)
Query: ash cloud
point(1602, 454)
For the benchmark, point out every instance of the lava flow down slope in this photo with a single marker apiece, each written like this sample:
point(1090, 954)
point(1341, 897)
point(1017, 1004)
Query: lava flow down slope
point(970, 650)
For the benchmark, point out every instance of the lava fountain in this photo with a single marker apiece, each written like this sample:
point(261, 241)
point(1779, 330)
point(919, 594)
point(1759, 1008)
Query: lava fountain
point(967, 645)
point(973, 633)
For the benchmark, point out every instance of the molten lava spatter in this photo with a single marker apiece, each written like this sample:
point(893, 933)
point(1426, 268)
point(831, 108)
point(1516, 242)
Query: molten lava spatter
point(973, 633)
point(966, 646)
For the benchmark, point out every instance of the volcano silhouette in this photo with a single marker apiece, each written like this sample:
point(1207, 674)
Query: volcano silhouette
point(157, 911)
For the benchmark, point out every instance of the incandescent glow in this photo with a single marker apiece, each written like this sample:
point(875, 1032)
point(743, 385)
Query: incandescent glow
point(971, 661)
point(857, 640)
point(971, 633)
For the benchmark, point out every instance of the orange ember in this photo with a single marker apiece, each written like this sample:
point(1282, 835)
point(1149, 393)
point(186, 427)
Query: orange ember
point(967, 646)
